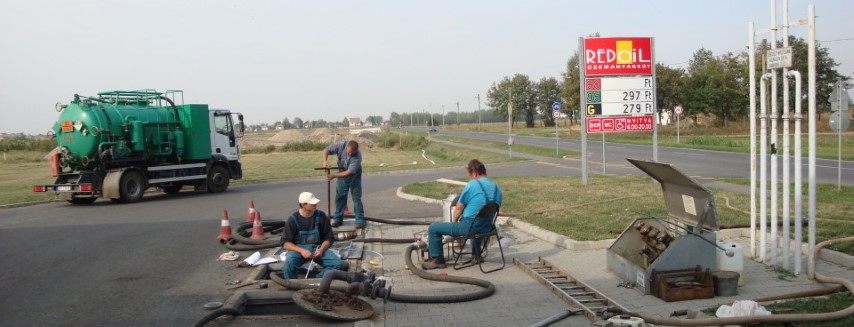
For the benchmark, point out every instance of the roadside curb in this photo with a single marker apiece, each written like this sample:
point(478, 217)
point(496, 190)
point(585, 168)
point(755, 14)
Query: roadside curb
point(25, 204)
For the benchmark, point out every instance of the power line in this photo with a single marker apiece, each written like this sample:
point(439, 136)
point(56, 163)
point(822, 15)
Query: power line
point(845, 39)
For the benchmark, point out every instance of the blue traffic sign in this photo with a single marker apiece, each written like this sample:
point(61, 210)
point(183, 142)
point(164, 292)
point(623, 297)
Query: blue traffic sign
point(556, 106)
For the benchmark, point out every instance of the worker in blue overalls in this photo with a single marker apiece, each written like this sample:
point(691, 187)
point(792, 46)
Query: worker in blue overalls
point(307, 237)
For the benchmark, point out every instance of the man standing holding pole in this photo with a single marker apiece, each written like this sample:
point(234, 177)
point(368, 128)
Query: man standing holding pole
point(349, 179)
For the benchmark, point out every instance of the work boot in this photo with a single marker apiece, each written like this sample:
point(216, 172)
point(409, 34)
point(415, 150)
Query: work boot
point(434, 263)
point(361, 226)
point(336, 223)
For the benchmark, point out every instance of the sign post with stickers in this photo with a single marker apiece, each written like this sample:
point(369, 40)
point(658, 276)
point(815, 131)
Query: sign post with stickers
point(617, 77)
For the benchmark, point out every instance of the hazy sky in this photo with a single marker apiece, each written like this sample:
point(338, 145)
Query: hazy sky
point(335, 59)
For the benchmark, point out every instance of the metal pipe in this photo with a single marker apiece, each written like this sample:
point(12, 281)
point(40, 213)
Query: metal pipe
point(799, 194)
point(787, 239)
point(763, 169)
point(751, 58)
point(812, 136)
point(773, 157)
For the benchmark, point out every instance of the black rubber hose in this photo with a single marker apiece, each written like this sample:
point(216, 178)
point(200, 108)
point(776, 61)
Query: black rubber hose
point(216, 314)
point(234, 245)
point(397, 222)
point(488, 287)
point(239, 234)
point(384, 240)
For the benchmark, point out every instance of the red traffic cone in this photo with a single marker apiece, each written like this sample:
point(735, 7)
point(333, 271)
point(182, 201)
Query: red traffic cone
point(347, 210)
point(257, 229)
point(225, 229)
point(250, 214)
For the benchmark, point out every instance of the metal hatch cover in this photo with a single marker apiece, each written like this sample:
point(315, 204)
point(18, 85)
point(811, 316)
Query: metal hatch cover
point(685, 199)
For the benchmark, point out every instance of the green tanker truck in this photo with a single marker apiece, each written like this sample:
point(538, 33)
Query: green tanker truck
point(120, 143)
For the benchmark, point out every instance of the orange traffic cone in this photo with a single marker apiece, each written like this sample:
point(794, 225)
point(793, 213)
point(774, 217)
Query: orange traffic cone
point(250, 214)
point(257, 229)
point(225, 229)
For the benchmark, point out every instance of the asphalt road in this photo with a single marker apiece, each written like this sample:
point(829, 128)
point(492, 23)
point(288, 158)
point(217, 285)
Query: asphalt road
point(690, 161)
point(153, 263)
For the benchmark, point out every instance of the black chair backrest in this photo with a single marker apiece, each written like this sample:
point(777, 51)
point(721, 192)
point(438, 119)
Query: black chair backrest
point(489, 210)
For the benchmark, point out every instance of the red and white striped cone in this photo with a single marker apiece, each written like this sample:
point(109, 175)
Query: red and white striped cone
point(225, 228)
point(257, 228)
point(250, 214)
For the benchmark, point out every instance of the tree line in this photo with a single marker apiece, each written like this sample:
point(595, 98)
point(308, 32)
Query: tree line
point(710, 85)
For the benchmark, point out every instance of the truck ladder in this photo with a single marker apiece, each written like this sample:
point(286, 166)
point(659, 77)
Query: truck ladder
point(570, 290)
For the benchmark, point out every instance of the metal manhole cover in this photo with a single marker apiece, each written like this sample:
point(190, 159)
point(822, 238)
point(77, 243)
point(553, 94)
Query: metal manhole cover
point(335, 302)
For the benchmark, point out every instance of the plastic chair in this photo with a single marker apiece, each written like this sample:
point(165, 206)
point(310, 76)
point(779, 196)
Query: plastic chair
point(478, 253)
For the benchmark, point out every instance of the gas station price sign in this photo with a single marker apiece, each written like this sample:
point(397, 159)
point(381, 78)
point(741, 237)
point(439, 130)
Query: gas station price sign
point(620, 96)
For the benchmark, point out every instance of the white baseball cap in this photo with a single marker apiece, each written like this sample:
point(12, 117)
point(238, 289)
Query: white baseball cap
point(307, 197)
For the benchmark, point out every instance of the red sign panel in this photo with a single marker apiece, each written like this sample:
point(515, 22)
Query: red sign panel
point(619, 124)
point(618, 56)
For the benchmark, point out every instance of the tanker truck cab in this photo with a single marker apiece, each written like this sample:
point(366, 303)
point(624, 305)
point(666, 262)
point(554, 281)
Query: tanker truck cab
point(120, 143)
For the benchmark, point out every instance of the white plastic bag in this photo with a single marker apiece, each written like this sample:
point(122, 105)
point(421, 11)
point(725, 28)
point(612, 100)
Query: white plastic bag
point(742, 309)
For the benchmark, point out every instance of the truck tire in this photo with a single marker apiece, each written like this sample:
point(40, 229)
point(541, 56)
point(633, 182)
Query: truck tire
point(131, 186)
point(218, 179)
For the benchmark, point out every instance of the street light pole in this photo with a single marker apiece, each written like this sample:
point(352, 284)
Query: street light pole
point(478, 111)
point(458, 114)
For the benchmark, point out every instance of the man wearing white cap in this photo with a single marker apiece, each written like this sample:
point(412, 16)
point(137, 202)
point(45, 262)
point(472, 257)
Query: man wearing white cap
point(307, 236)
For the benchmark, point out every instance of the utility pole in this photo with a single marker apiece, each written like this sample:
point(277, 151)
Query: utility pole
point(443, 115)
point(458, 114)
point(478, 111)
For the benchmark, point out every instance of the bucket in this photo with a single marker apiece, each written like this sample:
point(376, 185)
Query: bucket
point(726, 283)
point(734, 263)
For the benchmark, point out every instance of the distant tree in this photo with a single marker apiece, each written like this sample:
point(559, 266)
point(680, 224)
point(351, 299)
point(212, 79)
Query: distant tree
point(375, 120)
point(668, 86)
point(320, 123)
point(570, 89)
point(345, 122)
point(298, 123)
point(547, 92)
point(517, 89)
point(395, 119)
point(286, 124)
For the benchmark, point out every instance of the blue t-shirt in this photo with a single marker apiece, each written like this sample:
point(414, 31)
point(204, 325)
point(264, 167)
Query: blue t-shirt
point(353, 164)
point(474, 196)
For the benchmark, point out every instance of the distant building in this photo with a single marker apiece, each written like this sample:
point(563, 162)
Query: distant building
point(356, 122)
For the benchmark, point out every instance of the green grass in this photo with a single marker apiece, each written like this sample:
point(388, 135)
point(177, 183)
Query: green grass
point(529, 149)
point(564, 205)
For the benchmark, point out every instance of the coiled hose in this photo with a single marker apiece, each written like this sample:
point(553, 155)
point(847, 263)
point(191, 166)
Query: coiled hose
point(241, 242)
point(488, 287)
point(803, 317)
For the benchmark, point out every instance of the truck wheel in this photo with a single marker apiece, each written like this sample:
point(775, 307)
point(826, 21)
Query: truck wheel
point(174, 189)
point(218, 179)
point(131, 187)
point(82, 200)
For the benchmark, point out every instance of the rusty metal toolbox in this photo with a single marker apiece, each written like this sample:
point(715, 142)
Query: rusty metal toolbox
point(685, 238)
point(683, 284)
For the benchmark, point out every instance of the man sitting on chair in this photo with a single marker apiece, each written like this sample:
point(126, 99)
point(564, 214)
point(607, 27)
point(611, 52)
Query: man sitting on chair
point(479, 190)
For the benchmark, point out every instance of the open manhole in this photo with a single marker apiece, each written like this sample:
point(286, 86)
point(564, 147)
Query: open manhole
point(268, 304)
